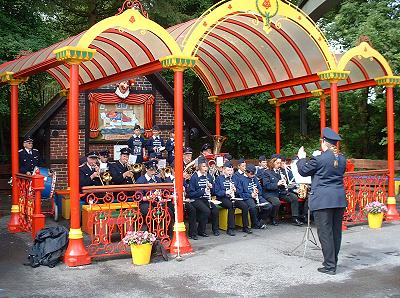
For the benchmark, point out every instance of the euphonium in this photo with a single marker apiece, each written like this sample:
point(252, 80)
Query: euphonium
point(218, 141)
point(135, 168)
point(106, 177)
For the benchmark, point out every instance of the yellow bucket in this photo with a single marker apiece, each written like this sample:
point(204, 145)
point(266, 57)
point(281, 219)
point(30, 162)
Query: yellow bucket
point(375, 220)
point(141, 254)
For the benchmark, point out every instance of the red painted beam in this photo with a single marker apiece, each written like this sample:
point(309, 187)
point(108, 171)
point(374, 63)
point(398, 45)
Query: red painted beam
point(142, 70)
point(274, 86)
point(48, 64)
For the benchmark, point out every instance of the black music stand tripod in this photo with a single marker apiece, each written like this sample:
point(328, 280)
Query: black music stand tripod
point(307, 237)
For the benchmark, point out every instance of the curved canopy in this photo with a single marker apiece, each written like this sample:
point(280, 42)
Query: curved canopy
point(243, 47)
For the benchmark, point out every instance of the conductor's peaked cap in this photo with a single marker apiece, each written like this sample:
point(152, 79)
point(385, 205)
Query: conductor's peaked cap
point(330, 136)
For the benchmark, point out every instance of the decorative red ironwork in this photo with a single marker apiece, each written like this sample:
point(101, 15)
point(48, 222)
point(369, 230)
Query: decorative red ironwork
point(363, 187)
point(135, 4)
point(112, 211)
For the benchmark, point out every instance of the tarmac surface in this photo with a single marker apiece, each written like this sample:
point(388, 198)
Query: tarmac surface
point(257, 265)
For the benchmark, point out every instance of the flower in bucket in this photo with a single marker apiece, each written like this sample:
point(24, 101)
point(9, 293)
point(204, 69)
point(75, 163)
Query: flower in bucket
point(139, 237)
point(375, 208)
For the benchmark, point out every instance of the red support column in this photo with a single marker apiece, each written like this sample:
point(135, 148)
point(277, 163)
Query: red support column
point(391, 201)
point(322, 108)
point(13, 224)
point(277, 128)
point(334, 106)
point(217, 118)
point(179, 238)
point(38, 219)
point(76, 253)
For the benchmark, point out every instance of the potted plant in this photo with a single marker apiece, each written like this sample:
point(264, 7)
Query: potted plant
point(375, 212)
point(141, 243)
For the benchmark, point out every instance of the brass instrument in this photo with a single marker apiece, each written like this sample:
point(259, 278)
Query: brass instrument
point(136, 168)
point(190, 168)
point(218, 141)
point(105, 177)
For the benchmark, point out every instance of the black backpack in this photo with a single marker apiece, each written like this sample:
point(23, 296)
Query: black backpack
point(48, 247)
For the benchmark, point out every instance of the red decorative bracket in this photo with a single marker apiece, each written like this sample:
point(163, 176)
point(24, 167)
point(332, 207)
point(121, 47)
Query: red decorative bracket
point(135, 4)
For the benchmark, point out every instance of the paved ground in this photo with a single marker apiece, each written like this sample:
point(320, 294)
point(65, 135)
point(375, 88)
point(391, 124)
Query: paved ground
point(258, 265)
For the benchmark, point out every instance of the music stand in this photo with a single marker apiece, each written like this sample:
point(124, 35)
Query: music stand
point(306, 238)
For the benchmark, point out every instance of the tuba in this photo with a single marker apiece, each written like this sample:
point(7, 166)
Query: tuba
point(218, 141)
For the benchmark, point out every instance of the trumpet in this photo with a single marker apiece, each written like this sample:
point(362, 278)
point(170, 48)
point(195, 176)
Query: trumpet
point(135, 168)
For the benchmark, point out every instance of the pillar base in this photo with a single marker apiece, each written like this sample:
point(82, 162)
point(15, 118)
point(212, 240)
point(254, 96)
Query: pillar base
point(183, 244)
point(76, 253)
point(13, 225)
point(392, 213)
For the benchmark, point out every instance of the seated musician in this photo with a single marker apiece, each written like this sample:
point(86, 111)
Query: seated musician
point(119, 170)
point(28, 157)
point(89, 172)
point(201, 188)
point(262, 167)
point(241, 169)
point(275, 189)
point(148, 178)
point(103, 159)
point(136, 144)
point(225, 190)
point(249, 189)
point(156, 143)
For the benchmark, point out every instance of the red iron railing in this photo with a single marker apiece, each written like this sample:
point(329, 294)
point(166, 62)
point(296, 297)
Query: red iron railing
point(363, 187)
point(112, 211)
point(30, 218)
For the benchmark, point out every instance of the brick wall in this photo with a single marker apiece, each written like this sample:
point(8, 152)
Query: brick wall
point(163, 117)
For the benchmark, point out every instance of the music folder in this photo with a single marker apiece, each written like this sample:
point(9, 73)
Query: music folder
point(297, 177)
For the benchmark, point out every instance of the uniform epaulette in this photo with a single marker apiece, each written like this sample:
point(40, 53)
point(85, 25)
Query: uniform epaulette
point(35, 150)
point(82, 165)
point(20, 150)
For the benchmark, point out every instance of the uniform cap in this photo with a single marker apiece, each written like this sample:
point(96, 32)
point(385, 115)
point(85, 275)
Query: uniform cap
point(251, 168)
point(93, 154)
point(242, 160)
point(136, 127)
point(28, 139)
point(153, 155)
point(156, 127)
point(125, 150)
point(105, 153)
point(206, 146)
point(228, 164)
point(188, 150)
point(151, 164)
point(262, 158)
point(330, 136)
point(201, 160)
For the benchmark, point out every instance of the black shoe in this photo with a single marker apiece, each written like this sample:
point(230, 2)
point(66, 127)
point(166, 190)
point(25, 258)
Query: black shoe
point(330, 271)
point(231, 232)
point(274, 222)
point(194, 237)
point(297, 222)
point(261, 227)
point(216, 233)
point(247, 231)
point(203, 234)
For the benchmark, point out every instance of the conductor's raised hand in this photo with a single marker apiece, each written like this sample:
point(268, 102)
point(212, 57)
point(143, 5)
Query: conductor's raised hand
point(302, 153)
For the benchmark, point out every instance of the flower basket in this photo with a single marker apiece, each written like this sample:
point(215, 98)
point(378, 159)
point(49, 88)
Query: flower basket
point(375, 211)
point(141, 244)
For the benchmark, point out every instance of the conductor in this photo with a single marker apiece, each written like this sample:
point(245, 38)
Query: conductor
point(327, 198)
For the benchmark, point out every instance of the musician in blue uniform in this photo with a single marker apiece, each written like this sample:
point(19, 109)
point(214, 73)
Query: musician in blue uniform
point(28, 157)
point(170, 147)
point(89, 172)
point(275, 188)
point(241, 169)
point(136, 144)
point(249, 189)
point(327, 198)
point(262, 167)
point(201, 188)
point(119, 170)
point(156, 143)
point(225, 190)
point(103, 160)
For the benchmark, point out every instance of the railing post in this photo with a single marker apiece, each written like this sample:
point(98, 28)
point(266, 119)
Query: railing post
point(38, 219)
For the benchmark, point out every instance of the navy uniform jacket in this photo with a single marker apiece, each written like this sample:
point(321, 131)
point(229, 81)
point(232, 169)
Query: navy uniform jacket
point(270, 184)
point(27, 162)
point(327, 189)
point(116, 170)
point(237, 176)
point(152, 142)
point(222, 184)
point(84, 176)
point(170, 147)
point(246, 187)
point(136, 144)
point(143, 180)
point(197, 186)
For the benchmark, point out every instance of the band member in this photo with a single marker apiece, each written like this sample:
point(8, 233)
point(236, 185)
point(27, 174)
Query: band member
point(170, 147)
point(156, 143)
point(201, 188)
point(89, 172)
point(225, 190)
point(119, 170)
point(327, 198)
point(241, 169)
point(275, 188)
point(249, 190)
point(262, 167)
point(136, 144)
point(187, 156)
point(103, 159)
point(206, 149)
point(28, 157)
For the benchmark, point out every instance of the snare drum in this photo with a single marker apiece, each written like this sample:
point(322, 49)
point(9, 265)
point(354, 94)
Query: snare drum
point(49, 181)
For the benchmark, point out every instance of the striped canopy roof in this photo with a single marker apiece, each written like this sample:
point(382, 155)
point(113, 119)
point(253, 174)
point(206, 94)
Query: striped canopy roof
point(236, 54)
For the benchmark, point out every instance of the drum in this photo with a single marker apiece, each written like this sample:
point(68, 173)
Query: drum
point(49, 181)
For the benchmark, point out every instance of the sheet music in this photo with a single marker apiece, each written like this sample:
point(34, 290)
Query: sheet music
point(162, 163)
point(297, 177)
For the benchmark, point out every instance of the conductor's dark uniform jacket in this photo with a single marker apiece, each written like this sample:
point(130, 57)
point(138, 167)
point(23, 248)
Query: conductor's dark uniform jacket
point(327, 189)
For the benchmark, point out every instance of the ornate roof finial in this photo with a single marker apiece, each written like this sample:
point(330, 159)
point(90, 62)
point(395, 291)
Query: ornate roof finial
point(135, 4)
